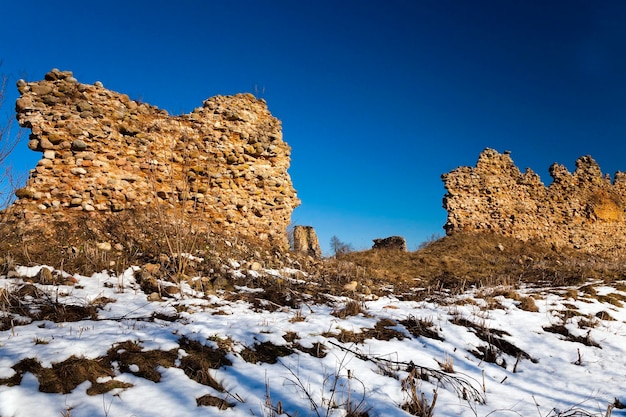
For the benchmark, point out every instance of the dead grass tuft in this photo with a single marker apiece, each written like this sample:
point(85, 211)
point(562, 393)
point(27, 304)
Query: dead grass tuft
point(98, 388)
point(265, 352)
point(62, 377)
point(463, 259)
point(347, 336)
point(130, 356)
point(563, 331)
point(421, 327)
point(383, 331)
point(208, 400)
point(199, 360)
point(351, 308)
point(60, 313)
point(528, 304)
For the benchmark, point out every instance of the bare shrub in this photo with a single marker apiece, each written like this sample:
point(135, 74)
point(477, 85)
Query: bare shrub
point(338, 247)
point(416, 402)
point(9, 139)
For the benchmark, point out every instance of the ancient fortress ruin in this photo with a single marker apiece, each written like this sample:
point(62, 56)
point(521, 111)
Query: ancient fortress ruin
point(223, 165)
point(583, 210)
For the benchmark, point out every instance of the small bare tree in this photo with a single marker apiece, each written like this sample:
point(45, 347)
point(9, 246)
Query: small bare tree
point(8, 141)
point(338, 247)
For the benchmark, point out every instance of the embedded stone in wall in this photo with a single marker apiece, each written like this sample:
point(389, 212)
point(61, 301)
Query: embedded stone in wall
point(582, 210)
point(305, 241)
point(224, 165)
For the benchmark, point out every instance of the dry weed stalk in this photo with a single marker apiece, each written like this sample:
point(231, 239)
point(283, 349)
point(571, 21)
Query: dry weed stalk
point(8, 141)
point(463, 387)
point(417, 404)
point(338, 392)
point(447, 364)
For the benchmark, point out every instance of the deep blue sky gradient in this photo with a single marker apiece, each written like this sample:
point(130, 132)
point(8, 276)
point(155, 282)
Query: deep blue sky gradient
point(377, 98)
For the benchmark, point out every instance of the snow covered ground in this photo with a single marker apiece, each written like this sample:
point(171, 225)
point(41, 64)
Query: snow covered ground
point(565, 359)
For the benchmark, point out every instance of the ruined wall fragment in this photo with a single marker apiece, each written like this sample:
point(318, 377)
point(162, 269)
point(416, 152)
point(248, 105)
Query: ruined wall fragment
point(582, 210)
point(223, 165)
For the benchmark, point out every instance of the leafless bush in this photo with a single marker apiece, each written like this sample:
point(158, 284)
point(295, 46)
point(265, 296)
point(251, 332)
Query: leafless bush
point(9, 138)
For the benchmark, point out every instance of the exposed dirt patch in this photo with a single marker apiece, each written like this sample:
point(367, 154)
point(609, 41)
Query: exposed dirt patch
point(496, 344)
point(266, 352)
point(60, 313)
point(64, 376)
point(132, 359)
point(98, 388)
point(199, 360)
point(563, 331)
point(351, 308)
point(383, 331)
point(318, 350)
point(421, 328)
point(208, 400)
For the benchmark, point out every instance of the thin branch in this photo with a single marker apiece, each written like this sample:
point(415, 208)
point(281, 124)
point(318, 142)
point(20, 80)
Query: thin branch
point(462, 386)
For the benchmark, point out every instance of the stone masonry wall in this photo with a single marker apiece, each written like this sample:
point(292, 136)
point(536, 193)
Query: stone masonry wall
point(224, 164)
point(583, 210)
point(305, 241)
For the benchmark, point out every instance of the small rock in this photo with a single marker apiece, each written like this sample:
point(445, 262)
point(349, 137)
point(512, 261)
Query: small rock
point(24, 193)
point(104, 246)
point(44, 276)
point(171, 290)
point(41, 89)
point(78, 171)
point(44, 144)
point(45, 162)
point(79, 145)
point(152, 269)
point(33, 144)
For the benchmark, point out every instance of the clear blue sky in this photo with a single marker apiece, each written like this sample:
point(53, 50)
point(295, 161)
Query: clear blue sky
point(377, 98)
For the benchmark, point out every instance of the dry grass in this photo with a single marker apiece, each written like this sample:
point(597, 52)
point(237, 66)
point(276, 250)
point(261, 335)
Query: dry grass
point(457, 261)
point(265, 352)
point(447, 364)
point(528, 304)
point(351, 308)
point(450, 264)
point(199, 360)
point(416, 402)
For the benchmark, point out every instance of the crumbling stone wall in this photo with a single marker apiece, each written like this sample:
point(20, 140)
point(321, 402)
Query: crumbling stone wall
point(391, 242)
point(224, 164)
point(305, 241)
point(583, 210)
